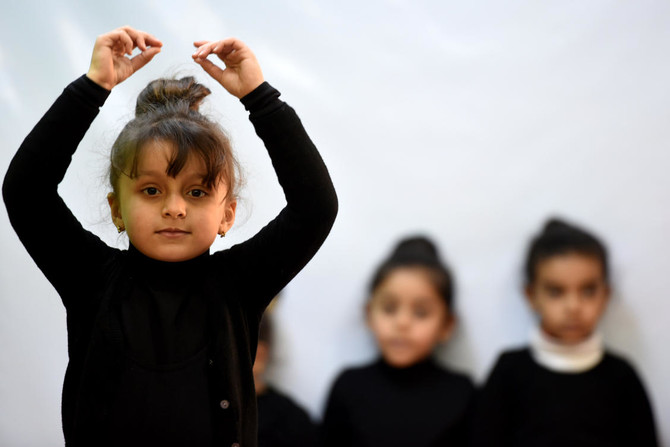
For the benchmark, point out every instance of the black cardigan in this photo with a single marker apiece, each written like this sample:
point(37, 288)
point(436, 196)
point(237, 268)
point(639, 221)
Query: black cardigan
point(91, 277)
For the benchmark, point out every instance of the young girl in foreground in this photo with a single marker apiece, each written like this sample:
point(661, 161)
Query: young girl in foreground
point(565, 389)
point(404, 398)
point(161, 337)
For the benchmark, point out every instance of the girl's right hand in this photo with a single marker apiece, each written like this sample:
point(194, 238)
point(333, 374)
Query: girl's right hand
point(110, 64)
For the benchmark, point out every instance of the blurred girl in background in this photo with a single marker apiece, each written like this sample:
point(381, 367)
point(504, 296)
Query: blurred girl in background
point(281, 421)
point(404, 398)
point(565, 389)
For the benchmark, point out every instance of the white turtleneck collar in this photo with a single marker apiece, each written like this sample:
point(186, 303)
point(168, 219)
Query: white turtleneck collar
point(563, 358)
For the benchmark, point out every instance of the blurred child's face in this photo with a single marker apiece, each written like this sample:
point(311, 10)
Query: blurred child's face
point(408, 317)
point(170, 218)
point(260, 365)
point(570, 295)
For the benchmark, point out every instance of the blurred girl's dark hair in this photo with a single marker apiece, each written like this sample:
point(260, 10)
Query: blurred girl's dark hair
point(417, 251)
point(560, 238)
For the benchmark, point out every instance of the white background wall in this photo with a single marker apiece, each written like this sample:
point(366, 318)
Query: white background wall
point(469, 121)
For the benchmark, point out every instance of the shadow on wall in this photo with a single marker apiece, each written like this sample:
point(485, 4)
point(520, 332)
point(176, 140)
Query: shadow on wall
point(621, 328)
point(458, 353)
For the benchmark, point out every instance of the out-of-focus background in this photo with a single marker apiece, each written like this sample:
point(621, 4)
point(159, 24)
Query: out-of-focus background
point(471, 122)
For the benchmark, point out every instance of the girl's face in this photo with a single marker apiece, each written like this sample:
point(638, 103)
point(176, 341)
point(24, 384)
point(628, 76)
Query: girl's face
point(408, 317)
point(570, 295)
point(170, 218)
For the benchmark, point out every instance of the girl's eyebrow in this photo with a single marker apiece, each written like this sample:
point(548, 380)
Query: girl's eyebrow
point(149, 173)
point(154, 173)
point(424, 300)
point(590, 282)
point(548, 283)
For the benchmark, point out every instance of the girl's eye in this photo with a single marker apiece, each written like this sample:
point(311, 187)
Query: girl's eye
point(589, 291)
point(197, 193)
point(388, 308)
point(554, 292)
point(421, 313)
point(150, 191)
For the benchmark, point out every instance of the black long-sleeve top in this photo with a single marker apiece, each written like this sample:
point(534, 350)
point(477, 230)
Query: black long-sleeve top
point(211, 331)
point(283, 423)
point(524, 404)
point(376, 405)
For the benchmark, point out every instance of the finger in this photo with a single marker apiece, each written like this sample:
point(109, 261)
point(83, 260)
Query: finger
point(139, 41)
point(124, 38)
point(142, 39)
point(143, 58)
point(227, 46)
point(136, 36)
point(212, 69)
point(199, 43)
point(151, 40)
point(204, 50)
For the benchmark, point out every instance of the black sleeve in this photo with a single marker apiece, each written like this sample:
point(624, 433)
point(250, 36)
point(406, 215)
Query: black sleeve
point(297, 430)
point(65, 252)
point(301, 431)
point(491, 414)
point(641, 430)
point(336, 429)
point(264, 264)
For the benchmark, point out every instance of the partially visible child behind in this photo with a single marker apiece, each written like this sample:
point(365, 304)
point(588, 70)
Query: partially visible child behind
point(565, 388)
point(162, 336)
point(404, 398)
point(281, 422)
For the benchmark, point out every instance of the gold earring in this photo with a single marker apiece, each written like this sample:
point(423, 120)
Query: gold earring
point(120, 229)
point(222, 234)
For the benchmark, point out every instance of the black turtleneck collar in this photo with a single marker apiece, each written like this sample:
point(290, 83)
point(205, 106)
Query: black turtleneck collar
point(143, 266)
point(411, 373)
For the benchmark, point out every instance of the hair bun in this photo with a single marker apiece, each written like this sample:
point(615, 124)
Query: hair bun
point(555, 225)
point(416, 248)
point(418, 251)
point(166, 93)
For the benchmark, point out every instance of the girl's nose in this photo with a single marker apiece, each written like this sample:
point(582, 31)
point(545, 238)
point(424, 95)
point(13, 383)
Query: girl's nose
point(403, 319)
point(174, 206)
point(573, 303)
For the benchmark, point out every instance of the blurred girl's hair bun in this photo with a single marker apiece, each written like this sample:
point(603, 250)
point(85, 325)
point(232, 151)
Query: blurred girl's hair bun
point(556, 226)
point(417, 251)
point(181, 94)
point(559, 237)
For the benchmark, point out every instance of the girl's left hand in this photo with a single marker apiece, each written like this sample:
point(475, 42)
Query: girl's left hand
point(242, 73)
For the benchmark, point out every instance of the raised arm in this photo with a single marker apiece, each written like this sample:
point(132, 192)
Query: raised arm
point(263, 265)
point(62, 249)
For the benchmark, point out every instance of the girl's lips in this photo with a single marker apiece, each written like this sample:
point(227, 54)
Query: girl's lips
point(172, 232)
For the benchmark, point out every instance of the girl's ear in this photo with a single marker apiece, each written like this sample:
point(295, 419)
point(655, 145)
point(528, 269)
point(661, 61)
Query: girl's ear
point(608, 292)
point(448, 328)
point(115, 209)
point(228, 218)
point(530, 296)
point(368, 310)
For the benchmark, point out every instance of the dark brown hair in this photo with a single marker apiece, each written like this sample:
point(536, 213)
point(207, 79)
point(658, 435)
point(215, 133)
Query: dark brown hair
point(167, 110)
point(418, 251)
point(560, 238)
